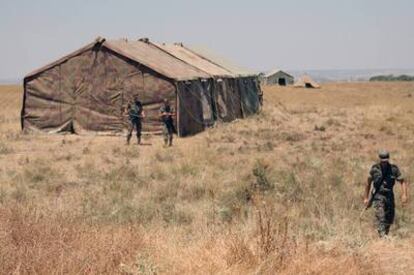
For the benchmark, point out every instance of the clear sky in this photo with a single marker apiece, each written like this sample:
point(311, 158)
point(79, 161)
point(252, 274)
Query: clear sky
point(258, 34)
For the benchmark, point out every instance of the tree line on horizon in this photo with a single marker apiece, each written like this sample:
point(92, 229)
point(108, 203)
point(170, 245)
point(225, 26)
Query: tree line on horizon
point(391, 77)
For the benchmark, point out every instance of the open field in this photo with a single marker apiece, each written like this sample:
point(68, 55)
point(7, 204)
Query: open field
point(278, 192)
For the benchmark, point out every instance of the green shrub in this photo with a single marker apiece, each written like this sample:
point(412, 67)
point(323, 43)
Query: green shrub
point(262, 182)
point(4, 150)
point(171, 215)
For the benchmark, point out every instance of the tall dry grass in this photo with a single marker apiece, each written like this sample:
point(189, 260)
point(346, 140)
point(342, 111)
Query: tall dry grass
point(279, 192)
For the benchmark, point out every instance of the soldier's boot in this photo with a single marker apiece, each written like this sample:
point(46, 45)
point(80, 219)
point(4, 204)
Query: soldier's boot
point(128, 139)
point(170, 140)
point(139, 140)
point(382, 230)
point(387, 229)
point(165, 141)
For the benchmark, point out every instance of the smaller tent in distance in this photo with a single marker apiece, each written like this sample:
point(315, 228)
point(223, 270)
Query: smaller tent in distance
point(306, 82)
point(278, 77)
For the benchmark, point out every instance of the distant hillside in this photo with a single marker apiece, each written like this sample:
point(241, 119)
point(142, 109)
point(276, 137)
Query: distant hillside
point(349, 75)
point(9, 81)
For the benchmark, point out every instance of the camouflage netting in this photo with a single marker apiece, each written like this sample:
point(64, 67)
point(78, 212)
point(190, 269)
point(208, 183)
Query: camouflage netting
point(88, 91)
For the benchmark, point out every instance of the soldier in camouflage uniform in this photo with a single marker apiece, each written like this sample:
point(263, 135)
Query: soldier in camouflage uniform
point(135, 115)
point(385, 174)
point(166, 113)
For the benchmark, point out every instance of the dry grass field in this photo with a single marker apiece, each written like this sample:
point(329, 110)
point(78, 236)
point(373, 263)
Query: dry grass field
point(280, 192)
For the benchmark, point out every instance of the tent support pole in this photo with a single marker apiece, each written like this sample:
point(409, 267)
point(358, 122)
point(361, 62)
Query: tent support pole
point(177, 108)
point(22, 112)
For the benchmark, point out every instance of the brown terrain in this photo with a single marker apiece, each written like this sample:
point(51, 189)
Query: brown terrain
point(279, 192)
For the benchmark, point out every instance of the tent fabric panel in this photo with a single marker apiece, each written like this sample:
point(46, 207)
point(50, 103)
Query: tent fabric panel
point(65, 58)
point(48, 86)
point(156, 89)
point(219, 96)
point(151, 88)
point(98, 97)
point(227, 98)
point(234, 99)
point(91, 92)
point(249, 95)
point(47, 105)
point(115, 83)
point(44, 114)
point(190, 108)
point(207, 103)
point(65, 127)
point(152, 122)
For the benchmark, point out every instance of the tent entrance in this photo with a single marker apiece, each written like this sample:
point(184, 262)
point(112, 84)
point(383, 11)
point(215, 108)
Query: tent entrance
point(308, 85)
point(282, 81)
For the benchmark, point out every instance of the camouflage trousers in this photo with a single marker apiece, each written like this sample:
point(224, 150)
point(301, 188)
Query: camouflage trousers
point(134, 124)
point(168, 132)
point(384, 212)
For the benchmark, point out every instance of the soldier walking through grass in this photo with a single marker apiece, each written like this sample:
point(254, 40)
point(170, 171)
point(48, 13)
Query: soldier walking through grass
point(382, 177)
point(135, 115)
point(167, 113)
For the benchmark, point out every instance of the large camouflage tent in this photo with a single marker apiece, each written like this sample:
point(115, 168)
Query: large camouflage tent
point(87, 91)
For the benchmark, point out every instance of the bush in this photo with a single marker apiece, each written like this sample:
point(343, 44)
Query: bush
point(262, 182)
point(171, 215)
point(4, 150)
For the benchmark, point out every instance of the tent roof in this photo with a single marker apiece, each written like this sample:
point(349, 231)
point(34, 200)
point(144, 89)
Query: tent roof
point(306, 79)
point(222, 62)
point(179, 51)
point(275, 71)
point(142, 52)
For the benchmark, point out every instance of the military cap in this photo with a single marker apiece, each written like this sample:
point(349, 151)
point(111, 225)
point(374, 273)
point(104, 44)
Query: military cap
point(383, 154)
